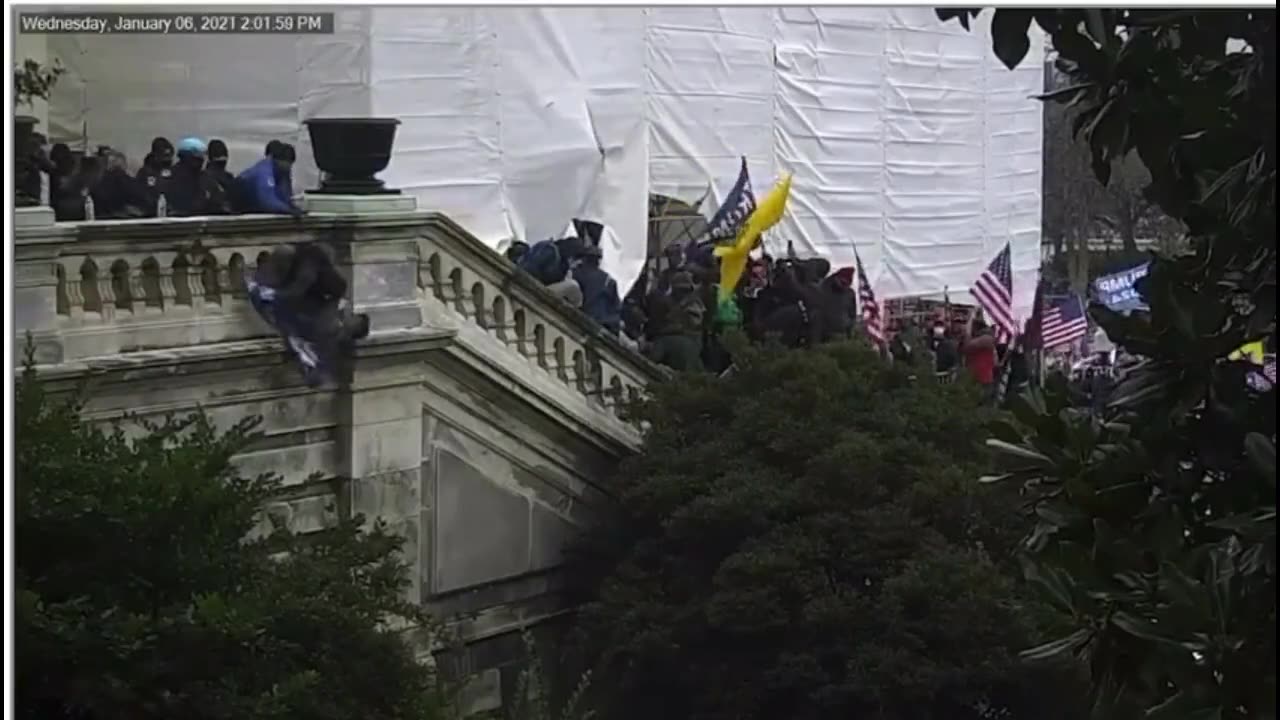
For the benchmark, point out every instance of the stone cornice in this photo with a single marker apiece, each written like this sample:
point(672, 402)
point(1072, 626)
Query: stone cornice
point(215, 357)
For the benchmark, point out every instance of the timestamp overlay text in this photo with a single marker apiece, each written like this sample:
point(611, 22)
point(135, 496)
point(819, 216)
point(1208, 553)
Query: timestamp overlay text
point(176, 23)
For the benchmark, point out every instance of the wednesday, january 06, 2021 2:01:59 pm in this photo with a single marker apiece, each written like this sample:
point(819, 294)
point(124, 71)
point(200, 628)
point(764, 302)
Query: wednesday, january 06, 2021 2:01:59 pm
point(183, 23)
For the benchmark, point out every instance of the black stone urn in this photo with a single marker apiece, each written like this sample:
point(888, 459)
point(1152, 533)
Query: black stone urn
point(350, 152)
point(26, 176)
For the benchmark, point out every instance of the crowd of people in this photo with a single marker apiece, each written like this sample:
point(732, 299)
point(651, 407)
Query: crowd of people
point(676, 315)
point(189, 179)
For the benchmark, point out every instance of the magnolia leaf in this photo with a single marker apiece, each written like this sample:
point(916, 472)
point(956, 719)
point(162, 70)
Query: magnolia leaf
point(1183, 706)
point(1054, 648)
point(1139, 387)
point(1060, 515)
point(1184, 590)
point(1019, 451)
point(1140, 628)
point(1003, 430)
point(1009, 35)
point(1258, 523)
point(961, 14)
point(1029, 407)
point(1023, 474)
point(1053, 582)
point(1061, 94)
point(1262, 455)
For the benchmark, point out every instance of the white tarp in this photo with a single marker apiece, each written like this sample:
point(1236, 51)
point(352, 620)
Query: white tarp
point(906, 135)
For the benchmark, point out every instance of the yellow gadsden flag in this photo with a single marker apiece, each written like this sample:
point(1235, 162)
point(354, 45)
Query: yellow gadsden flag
point(1254, 352)
point(733, 258)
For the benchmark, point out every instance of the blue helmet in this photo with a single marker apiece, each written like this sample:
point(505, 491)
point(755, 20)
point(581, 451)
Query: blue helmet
point(192, 146)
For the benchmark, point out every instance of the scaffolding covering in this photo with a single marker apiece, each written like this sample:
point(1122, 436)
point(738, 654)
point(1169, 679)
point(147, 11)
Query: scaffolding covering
point(906, 135)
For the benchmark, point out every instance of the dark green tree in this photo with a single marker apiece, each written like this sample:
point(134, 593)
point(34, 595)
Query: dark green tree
point(805, 541)
point(142, 592)
point(1156, 532)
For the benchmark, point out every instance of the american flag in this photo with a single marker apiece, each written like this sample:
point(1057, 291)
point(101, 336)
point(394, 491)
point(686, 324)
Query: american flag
point(994, 291)
point(1064, 322)
point(734, 211)
point(867, 304)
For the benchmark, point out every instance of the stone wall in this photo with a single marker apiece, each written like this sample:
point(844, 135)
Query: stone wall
point(478, 419)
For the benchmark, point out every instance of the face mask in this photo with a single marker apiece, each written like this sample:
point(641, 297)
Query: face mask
point(939, 331)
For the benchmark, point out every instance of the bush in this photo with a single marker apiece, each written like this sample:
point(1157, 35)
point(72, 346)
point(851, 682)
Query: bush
point(807, 540)
point(140, 593)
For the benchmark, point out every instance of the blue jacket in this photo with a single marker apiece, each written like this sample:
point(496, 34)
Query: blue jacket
point(544, 262)
point(260, 193)
point(600, 299)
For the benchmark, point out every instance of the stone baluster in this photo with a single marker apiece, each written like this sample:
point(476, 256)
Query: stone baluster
point(106, 292)
point(195, 287)
point(560, 360)
point(224, 283)
point(75, 294)
point(137, 289)
point(461, 297)
point(168, 291)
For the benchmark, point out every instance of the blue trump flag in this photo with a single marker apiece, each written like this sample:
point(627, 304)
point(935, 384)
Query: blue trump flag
point(317, 366)
point(1119, 291)
point(734, 211)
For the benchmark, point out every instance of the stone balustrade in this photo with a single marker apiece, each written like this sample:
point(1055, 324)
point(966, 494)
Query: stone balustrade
point(101, 289)
point(485, 288)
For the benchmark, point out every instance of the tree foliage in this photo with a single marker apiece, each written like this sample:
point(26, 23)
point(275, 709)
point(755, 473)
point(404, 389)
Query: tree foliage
point(1157, 521)
point(805, 541)
point(33, 81)
point(1077, 208)
point(141, 593)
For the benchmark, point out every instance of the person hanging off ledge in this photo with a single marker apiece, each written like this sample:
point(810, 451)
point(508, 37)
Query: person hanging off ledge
point(301, 294)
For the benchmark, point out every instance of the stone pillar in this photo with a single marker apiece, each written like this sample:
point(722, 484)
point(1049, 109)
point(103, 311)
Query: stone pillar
point(35, 289)
point(381, 449)
point(381, 258)
point(380, 408)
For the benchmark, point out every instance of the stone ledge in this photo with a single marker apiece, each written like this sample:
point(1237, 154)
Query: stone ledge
point(26, 218)
point(541, 392)
point(359, 205)
point(210, 226)
point(227, 355)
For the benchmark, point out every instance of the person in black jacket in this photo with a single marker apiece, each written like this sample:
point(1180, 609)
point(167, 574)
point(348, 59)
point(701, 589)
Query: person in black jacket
point(62, 176)
point(190, 191)
point(600, 298)
point(77, 189)
point(156, 170)
point(118, 194)
point(309, 287)
point(216, 168)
